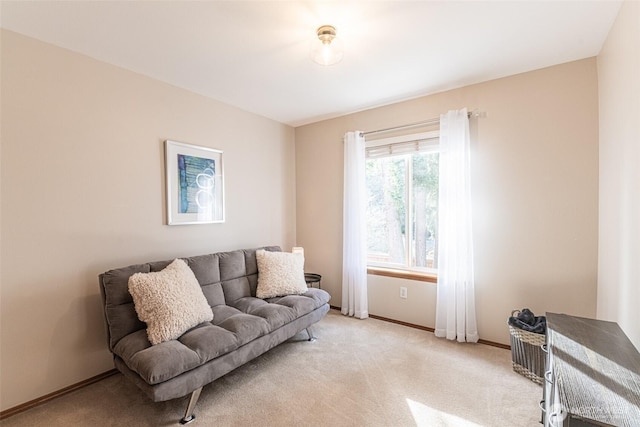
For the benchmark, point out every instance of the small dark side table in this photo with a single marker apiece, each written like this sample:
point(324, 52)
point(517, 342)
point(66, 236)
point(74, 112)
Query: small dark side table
point(311, 279)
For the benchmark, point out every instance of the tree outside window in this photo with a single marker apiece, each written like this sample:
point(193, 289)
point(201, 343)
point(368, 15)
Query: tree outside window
point(402, 210)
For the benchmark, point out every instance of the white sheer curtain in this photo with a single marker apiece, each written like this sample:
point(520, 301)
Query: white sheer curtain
point(354, 240)
point(455, 306)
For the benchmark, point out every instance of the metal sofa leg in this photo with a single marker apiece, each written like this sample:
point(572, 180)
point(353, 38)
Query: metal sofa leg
point(312, 337)
point(189, 415)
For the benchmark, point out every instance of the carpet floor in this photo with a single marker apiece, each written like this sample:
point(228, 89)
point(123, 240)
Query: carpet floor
point(358, 373)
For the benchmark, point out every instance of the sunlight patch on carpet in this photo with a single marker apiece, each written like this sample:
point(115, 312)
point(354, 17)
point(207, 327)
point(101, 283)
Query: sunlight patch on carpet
point(430, 417)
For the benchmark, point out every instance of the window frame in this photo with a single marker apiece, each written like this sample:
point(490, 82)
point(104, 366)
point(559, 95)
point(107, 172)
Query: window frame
point(427, 142)
point(421, 276)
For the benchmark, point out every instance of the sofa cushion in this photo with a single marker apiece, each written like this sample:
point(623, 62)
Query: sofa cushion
point(169, 301)
point(280, 273)
point(275, 314)
point(232, 327)
point(222, 313)
point(169, 359)
point(246, 327)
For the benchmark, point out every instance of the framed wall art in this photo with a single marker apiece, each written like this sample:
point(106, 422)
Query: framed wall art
point(195, 184)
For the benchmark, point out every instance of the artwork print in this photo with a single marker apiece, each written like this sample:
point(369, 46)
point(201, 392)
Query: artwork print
point(197, 184)
point(195, 193)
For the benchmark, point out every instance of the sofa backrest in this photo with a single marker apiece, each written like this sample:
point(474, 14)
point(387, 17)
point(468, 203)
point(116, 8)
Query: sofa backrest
point(224, 277)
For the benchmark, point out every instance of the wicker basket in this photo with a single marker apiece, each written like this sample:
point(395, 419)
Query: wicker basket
point(527, 357)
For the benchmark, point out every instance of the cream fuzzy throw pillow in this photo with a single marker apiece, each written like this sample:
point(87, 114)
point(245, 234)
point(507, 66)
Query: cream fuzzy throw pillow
point(279, 274)
point(170, 301)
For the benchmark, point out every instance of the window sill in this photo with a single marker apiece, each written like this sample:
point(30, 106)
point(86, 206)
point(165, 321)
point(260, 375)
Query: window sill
point(403, 274)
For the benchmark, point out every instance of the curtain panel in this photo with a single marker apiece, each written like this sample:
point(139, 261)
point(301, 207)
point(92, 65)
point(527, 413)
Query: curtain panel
point(354, 247)
point(455, 304)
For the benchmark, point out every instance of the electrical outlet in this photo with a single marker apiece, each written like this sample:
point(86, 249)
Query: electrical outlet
point(403, 292)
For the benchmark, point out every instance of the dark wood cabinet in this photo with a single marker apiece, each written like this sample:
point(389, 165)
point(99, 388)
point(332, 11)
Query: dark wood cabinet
point(592, 375)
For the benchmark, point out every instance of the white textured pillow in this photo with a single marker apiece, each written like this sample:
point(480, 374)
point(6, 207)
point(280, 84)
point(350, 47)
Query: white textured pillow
point(280, 273)
point(170, 301)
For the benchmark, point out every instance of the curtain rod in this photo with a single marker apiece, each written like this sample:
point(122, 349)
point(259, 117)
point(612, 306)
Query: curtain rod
point(432, 121)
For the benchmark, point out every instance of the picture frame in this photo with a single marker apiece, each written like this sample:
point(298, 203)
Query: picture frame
point(195, 184)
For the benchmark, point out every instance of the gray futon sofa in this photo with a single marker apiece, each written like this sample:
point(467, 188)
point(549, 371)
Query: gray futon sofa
point(243, 326)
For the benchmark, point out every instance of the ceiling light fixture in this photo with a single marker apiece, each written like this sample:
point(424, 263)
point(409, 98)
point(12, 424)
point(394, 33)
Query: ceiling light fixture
point(330, 49)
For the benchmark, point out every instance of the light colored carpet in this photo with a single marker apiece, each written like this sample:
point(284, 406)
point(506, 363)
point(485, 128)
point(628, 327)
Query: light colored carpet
point(358, 373)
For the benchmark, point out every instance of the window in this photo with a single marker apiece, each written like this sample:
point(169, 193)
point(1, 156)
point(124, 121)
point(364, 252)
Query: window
point(402, 209)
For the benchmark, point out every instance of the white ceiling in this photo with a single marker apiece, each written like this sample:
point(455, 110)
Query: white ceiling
point(255, 54)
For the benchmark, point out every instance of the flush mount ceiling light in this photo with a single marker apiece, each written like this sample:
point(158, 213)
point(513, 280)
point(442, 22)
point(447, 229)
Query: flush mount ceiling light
point(328, 49)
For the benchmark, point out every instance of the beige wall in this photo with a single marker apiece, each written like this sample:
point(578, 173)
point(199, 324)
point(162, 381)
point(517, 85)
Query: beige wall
point(535, 186)
point(619, 243)
point(83, 192)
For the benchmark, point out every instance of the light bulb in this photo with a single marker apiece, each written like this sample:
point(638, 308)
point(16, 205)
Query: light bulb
point(326, 53)
point(326, 48)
